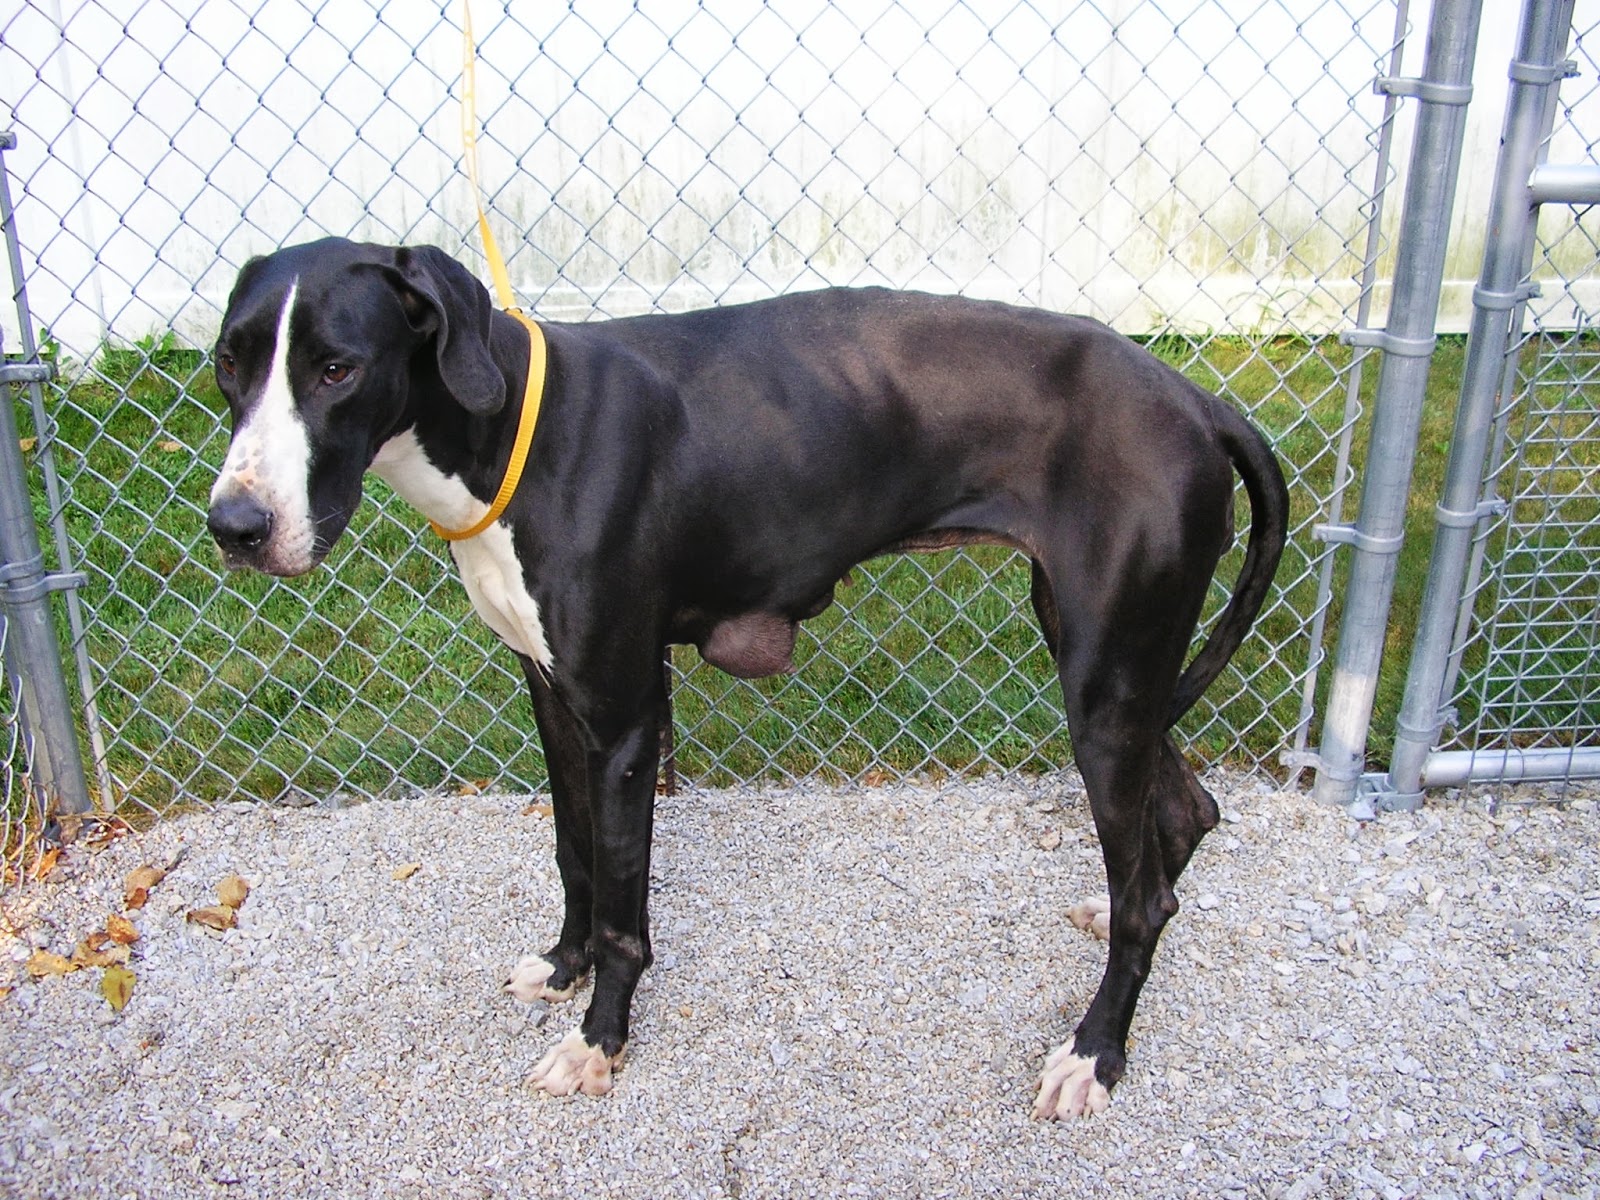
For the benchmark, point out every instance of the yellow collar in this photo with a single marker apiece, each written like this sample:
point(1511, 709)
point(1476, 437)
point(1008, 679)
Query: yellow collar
point(531, 395)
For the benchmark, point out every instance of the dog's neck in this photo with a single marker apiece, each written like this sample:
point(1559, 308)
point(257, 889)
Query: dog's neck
point(415, 461)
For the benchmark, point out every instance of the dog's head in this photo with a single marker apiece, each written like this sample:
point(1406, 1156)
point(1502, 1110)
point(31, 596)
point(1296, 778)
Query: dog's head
point(322, 357)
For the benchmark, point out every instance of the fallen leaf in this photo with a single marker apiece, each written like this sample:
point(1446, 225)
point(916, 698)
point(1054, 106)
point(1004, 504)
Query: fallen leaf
point(97, 940)
point(538, 810)
point(137, 888)
point(169, 446)
point(876, 777)
point(107, 830)
point(120, 930)
point(405, 872)
point(219, 917)
point(232, 891)
point(473, 787)
point(99, 956)
point(27, 443)
point(44, 962)
point(116, 985)
point(46, 863)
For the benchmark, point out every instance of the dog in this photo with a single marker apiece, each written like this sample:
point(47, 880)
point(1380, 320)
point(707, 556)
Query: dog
point(707, 478)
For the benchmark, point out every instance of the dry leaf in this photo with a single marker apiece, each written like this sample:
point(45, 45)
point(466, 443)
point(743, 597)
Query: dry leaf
point(232, 891)
point(46, 863)
point(473, 787)
point(219, 917)
point(137, 888)
point(876, 777)
point(27, 443)
point(116, 985)
point(44, 962)
point(538, 810)
point(107, 830)
point(169, 446)
point(406, 872)
point(99, 956)
point(120, 930)
point(97, 940)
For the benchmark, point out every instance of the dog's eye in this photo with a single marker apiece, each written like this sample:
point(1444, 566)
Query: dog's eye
point(229, 367)
point(335, 373)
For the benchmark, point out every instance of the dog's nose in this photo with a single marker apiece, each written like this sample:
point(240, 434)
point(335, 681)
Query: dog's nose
point(239, 523)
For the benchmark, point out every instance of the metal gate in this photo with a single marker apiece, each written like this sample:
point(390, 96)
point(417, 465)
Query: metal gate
point(1504, 679)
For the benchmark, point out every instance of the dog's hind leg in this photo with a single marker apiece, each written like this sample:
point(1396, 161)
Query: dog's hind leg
point(1123, 633)
point(554, 975)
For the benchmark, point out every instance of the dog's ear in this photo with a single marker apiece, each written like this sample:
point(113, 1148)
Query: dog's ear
point(444, 301)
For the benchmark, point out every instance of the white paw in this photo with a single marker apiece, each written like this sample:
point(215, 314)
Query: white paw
point(1068, 1088)
point(575, 1066)
point(530, 980)
point(1093, 915)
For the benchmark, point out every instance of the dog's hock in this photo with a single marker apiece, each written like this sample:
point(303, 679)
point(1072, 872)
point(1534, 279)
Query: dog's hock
point(575, 1066)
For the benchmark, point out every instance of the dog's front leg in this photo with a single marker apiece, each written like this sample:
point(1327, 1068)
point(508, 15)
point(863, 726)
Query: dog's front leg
point(621, 774)
point(554, 975)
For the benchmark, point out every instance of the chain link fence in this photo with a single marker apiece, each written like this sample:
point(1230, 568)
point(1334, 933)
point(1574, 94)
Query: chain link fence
point(1206, 175)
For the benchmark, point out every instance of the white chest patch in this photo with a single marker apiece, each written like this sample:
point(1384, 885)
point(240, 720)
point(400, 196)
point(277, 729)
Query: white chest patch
point(488, 563)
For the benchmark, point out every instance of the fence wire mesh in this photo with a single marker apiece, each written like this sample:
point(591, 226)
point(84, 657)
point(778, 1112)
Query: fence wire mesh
point(1200, 174)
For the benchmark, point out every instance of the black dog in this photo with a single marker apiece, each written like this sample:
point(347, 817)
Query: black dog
point(708, 478)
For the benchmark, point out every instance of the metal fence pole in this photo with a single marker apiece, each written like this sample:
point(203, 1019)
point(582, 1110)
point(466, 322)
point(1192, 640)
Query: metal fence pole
point(1508, 256)
point(1407, 344)
point(33, 652)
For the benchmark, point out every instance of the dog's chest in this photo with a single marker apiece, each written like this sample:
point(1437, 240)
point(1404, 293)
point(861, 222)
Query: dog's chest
point(488, 563)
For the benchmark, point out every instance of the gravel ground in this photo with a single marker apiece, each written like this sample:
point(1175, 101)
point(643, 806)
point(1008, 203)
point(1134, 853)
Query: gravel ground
point(853, 995)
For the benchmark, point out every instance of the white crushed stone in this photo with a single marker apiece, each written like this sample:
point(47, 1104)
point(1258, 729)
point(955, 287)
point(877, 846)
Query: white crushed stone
point(853, 995)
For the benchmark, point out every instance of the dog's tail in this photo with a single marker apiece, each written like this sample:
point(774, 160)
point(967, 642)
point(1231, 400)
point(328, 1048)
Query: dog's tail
point(1258, 467)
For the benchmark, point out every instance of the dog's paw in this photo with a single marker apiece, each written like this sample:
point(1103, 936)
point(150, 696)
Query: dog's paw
point(1068, 1088)
point(1093, 915)
point(530, 981)
point(573, 1065)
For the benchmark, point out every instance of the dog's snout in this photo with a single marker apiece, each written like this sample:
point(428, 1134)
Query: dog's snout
point(240, 523)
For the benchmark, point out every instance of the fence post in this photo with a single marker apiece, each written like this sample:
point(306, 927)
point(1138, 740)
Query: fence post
point(1497, 301)
point(54, 758)
point(33, 653)
point(1407, 344)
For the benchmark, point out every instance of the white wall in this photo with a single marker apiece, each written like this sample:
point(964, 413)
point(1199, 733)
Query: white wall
point(1201, 162)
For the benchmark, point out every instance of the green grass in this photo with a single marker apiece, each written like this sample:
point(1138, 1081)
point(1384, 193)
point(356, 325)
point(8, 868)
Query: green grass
point(371, 675)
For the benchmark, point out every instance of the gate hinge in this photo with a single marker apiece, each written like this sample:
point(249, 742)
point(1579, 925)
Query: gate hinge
point(1503, 301)
point(1389, 343)
point(1542, 73)
point(24, 582)
point(1455, 518)
point(1349, 535)
point(1429, 90)
point(26, 372)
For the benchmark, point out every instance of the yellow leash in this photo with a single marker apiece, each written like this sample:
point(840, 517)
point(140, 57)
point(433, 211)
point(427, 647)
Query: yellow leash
point(537, 356)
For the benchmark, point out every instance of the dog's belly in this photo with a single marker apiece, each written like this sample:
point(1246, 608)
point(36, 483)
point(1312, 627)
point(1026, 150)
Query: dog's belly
point(488, 563)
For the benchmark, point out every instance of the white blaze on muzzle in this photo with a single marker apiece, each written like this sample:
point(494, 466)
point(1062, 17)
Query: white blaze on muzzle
point(269, 460)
